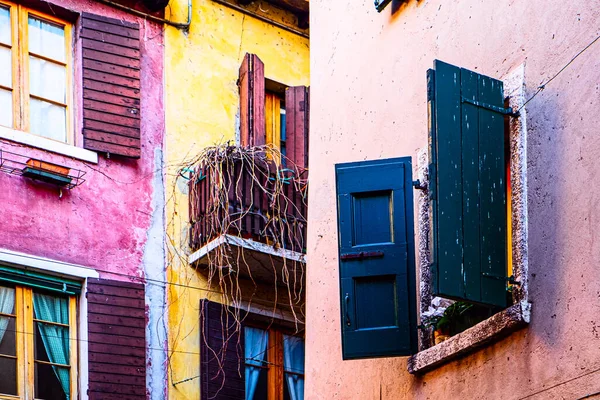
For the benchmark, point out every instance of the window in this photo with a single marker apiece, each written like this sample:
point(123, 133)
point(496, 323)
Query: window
point(477, 240)
point(274, 365)
point(38, 352)
point(275, 122)
point(35, 95)
point(273, 113)
point(248, 356)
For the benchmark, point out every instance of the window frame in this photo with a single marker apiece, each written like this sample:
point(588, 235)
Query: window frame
point(515, 316)
point(25, 344)
point(275, 364)
point(21, 96)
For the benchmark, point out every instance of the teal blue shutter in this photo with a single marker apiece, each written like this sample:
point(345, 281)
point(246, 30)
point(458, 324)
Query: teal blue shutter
point(468, 185)
point(37, 280)
point(377, 262)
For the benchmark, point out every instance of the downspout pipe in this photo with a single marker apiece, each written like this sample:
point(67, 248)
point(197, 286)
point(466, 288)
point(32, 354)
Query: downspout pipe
point(183, 26)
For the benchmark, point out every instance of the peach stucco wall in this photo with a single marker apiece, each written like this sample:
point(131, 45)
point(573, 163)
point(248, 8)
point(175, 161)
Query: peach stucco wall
point(368, 101)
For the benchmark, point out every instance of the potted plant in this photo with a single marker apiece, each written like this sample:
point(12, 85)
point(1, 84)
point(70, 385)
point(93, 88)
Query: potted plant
point(448, 322)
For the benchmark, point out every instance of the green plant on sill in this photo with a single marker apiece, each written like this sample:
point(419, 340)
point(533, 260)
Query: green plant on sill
point(448, 322)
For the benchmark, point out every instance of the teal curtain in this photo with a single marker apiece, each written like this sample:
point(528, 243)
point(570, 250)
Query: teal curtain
point(55, 338)
point(7, 305)
point(255, 349)
point(293, 361)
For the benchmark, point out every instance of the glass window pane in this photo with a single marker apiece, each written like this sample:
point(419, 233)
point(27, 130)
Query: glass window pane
point(48, 120)
point(4, 25)
point(5, 67)
point(8, 383)
point(47, 383)
point(8, 344)
point(6, 108)
point(47, 79)
point(46, 39)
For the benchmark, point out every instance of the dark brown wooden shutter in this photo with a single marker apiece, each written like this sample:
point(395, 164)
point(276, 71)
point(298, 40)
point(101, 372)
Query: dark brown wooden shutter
point(116, 340)
point(222, 374)
point(111, 85)
point(296, 124)
point(252, 101)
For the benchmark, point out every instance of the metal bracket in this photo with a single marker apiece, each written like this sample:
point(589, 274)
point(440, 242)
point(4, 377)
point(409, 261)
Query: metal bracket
point(419, 185)
point(509, 279)
point(501, 110)
point(380, 4)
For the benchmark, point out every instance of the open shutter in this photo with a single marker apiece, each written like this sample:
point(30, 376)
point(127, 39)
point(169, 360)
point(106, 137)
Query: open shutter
point(221, 354)
point(252, 101)
point(116, 340)
point(111, 85)
point(377, 265)
point(468, 185)
point(296, 125)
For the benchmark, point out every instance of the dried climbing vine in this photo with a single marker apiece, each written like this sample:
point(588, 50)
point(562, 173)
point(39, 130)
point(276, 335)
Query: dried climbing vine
point(253, 193)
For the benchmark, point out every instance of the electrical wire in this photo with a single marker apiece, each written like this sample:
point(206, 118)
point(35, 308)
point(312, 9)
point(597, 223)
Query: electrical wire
point(543, 85)
point(195, 353)
point(562, 383)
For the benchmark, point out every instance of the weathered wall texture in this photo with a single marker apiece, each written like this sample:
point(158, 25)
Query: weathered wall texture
point(105, 223)
point(368, 101)
point(202, 102)
point(101, 224)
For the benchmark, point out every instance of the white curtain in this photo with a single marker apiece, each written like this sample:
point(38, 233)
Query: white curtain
point(293, 361)
point(255, 352)
point(7, 305)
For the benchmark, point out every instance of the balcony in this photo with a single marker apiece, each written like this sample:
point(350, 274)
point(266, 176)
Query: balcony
point(248, 215)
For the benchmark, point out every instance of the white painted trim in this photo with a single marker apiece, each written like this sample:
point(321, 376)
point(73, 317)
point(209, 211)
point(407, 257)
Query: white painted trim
point(82, 354)
point(248, 245)
point(46, 265)
point(53, 146)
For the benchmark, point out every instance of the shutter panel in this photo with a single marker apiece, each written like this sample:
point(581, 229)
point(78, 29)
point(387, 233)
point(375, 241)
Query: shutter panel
point(111, 85)
point(468, 195)
point(252, 101)
point(296, 124)
point(377, 264)
point(116, 340)
point(221, 354)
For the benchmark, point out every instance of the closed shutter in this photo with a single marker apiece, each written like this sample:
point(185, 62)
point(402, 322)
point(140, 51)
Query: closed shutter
point(296, 124)
point(377, 265)
point(116, 340)
point(221, 354)
point(252, 101)
point(468, 185)
point(111, 85)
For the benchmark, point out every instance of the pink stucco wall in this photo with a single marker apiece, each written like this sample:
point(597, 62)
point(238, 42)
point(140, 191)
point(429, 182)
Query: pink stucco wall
point(368, 101)
point(103, 223)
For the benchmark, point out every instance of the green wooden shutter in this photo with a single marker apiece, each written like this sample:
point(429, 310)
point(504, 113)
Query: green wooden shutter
point(377, 263)
point(468, 185)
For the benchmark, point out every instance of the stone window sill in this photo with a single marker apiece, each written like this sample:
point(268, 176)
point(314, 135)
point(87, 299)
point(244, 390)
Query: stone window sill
point(50, 145)
point(488, 331)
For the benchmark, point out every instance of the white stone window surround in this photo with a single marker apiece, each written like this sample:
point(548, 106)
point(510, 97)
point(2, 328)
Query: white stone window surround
point(70, 271)
point(50, 145)
point(515, 316)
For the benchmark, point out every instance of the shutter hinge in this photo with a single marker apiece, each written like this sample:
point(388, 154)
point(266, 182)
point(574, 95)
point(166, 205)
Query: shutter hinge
point(380, 4)
point(501, 110)
point(419, 185)
point(509, 279)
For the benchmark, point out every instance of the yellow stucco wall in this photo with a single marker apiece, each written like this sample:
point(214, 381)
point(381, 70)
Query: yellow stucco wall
point(201, 70)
